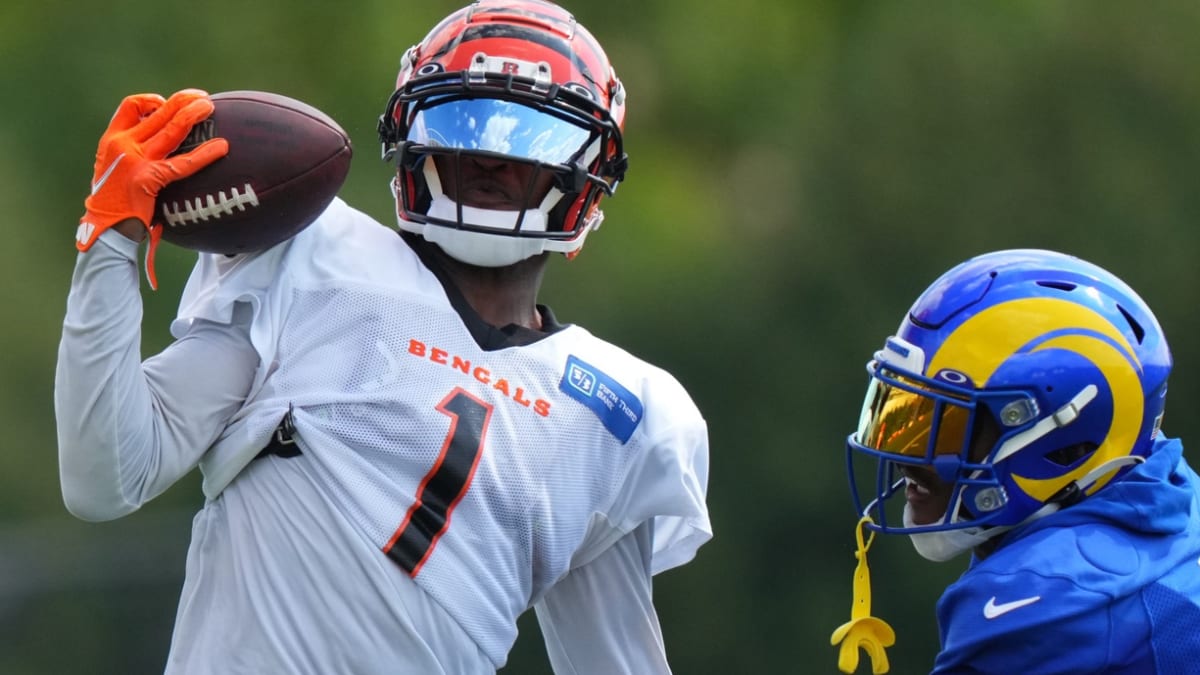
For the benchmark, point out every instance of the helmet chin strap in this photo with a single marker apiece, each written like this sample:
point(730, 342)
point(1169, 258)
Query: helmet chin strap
point(944, 545)
point(1077, 489)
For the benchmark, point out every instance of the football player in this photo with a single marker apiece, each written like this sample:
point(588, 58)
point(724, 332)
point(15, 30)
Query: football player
point(402, 451)
point(1016, 414)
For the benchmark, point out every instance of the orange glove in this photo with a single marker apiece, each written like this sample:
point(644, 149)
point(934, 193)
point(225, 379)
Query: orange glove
point(132, 163)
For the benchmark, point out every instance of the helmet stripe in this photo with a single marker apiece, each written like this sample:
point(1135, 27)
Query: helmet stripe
point(518, 32)
point(983, 342)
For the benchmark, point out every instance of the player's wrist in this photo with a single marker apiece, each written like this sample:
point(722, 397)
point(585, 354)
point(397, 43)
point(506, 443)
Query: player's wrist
point(131, 228)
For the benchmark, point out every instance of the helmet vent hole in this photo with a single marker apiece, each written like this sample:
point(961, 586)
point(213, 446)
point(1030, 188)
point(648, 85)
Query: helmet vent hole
point(1136, 327)
point(1059, 285)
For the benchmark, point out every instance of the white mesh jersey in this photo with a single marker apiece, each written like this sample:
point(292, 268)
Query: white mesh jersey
point(485, 472)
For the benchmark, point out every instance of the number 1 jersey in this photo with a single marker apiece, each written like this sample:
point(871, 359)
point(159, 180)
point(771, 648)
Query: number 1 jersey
point(484, 462)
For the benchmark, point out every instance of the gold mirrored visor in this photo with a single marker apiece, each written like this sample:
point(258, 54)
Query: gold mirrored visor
point(900, 416)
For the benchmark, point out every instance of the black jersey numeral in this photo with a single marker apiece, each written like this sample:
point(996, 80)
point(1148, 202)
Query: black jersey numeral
point(446, 483)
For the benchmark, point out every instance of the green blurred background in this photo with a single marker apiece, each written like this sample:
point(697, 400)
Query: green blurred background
point(800, 171)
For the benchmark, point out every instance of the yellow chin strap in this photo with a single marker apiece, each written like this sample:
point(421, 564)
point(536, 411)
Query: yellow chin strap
point(863, 630)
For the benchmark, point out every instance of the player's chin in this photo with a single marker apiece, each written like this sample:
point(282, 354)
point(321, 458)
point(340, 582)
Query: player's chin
point(491, 198)
point(925, 506)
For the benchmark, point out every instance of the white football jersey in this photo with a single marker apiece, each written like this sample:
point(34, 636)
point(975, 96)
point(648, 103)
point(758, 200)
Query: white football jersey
point(483, 464)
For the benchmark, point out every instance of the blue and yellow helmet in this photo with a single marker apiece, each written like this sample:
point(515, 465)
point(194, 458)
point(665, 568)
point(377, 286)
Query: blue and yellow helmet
point(1023, 378)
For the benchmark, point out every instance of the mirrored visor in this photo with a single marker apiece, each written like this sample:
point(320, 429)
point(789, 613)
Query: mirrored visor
point(902, 418)
point(499, 126)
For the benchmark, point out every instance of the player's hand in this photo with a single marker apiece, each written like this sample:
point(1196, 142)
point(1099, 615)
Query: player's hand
point(132, 165)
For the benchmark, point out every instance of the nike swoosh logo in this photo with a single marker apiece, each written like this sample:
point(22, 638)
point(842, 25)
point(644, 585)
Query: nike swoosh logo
point(107, 172)
point(991, 610)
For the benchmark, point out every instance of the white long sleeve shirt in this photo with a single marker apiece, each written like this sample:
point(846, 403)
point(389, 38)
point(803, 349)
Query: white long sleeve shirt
point(450, 478)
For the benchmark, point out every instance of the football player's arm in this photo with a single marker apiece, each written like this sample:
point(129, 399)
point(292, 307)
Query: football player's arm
point(126, 430)
point(600, 618)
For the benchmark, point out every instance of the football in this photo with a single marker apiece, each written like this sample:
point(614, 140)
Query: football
point(286, 162)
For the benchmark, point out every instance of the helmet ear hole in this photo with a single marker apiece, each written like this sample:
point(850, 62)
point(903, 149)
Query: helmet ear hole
point(1071, 454)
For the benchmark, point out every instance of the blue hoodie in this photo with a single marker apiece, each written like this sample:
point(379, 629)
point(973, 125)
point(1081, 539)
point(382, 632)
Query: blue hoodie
point(1108, 585)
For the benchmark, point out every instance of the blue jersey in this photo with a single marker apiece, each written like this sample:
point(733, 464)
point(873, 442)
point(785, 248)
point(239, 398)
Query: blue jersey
point(1108, 585)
